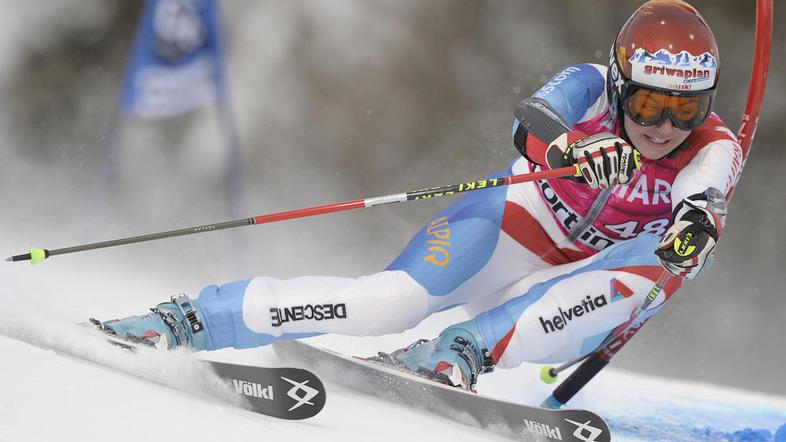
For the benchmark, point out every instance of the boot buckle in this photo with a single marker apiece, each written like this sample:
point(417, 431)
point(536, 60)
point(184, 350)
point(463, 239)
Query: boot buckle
point(189, 312)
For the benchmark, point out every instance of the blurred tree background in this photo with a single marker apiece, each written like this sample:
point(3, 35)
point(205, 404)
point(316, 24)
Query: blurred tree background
point(337, 100)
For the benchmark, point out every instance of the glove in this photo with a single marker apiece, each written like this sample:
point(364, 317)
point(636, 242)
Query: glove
point(601, 160)
point(688, 246)
point(168, 326)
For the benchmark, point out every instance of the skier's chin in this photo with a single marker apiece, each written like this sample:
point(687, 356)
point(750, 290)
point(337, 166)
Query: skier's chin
point(654, 142)
point(655, 150)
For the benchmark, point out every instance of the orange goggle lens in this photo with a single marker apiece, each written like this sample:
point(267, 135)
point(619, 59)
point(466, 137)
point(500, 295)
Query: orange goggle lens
point(650, 107)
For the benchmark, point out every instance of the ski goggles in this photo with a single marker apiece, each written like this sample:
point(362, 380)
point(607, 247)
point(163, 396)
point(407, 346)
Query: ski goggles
point(650, 107)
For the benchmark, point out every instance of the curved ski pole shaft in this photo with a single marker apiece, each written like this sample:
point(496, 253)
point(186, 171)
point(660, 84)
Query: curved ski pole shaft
point(38, 255)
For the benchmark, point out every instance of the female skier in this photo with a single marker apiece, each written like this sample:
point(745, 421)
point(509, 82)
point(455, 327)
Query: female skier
point(546, 269)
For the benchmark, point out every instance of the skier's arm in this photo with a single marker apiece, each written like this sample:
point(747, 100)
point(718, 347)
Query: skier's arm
point(717, 164)
point(574, 95)
point(542, 129)
point(699, 197)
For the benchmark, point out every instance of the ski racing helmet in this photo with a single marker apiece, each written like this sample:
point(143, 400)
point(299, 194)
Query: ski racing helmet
point(663, 64)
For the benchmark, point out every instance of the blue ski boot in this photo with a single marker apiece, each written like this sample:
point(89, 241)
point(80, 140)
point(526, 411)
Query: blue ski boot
point(169, 325)
point(456, 357)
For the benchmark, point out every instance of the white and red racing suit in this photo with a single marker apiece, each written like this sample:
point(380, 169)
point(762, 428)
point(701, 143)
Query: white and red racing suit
point(548, 269)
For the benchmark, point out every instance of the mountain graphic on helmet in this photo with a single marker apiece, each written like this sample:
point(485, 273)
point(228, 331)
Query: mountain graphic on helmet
point(664, 57)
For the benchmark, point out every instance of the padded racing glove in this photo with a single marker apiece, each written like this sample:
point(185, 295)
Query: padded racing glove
point(688, 246)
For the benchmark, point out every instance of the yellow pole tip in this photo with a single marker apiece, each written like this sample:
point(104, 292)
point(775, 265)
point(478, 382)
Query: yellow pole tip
point(36, 255)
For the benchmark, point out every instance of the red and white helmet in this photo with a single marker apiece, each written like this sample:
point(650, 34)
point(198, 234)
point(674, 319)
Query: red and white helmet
point(665, 46)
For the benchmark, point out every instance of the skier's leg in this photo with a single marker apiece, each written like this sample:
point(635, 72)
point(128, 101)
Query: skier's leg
point(566, 315)
point(256, 312)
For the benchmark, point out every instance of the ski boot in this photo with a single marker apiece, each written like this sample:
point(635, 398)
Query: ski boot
point(455, 358)
point(169, 325)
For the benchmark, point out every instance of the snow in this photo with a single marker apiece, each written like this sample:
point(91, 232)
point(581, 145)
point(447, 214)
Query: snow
point(61, 383)
point(51, 397)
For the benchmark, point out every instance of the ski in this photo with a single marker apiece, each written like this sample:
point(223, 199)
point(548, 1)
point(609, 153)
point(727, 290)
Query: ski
point(521, 422)
point(282, 392)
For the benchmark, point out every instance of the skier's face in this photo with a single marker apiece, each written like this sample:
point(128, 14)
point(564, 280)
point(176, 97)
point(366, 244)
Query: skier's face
point(654, 142)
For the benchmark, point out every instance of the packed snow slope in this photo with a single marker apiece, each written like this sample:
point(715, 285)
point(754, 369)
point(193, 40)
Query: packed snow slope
point(61, 383)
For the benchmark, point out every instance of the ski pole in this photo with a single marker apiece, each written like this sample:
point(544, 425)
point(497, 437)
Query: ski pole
point(536, 118)
point(594, 362)
point(36, 255)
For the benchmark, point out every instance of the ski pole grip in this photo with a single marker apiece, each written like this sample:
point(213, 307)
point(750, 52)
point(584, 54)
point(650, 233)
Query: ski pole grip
point(579, 378)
